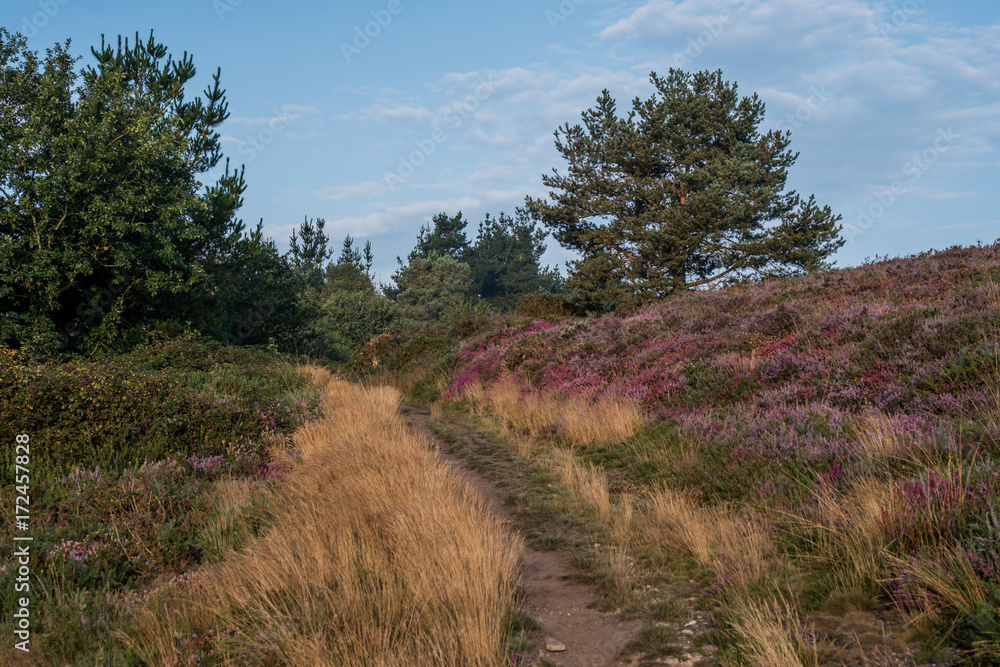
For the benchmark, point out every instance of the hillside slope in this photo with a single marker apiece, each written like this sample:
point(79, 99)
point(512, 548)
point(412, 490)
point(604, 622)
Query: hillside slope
point(845, 425)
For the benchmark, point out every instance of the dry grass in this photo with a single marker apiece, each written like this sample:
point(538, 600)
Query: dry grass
point(881, 440)
point(579, 420)
point(234, 501)
point(851, 539)
point(586, 483)
point(949, 582)
point(770, 632)
point(381, 557)
point(737, 548)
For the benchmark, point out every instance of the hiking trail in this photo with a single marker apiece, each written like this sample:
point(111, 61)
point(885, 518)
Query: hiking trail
point(556, 603)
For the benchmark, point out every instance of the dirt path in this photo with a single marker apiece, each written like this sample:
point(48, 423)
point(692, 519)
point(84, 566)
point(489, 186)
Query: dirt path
point(559, 606)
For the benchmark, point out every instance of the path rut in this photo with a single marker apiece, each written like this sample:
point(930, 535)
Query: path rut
point(557, 604)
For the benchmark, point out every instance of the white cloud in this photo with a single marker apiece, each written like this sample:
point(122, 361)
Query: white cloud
point(340, 192)
point(284, 112)
point(386, 112)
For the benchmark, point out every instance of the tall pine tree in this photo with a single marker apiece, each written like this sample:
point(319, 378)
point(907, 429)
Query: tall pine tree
point(505, 260)
point(684, 192)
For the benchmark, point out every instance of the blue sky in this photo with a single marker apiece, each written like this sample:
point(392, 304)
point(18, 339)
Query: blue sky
point(894, 107)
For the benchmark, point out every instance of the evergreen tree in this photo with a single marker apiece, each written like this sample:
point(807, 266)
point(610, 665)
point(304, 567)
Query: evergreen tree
point(368, 259)
point(348, 254)
point(505, 261)
point(427, 286)
point(309, 251)
point(259, 297)
point(445, 237)
point(684, 192)
point(103, 220)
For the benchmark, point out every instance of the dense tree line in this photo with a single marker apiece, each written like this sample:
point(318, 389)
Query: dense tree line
point(106, 230)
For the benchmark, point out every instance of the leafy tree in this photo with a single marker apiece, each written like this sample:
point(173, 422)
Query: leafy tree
point(102, 218)
point(350, 318)
point(308, 251)
point(682, 193)
point(445, 237)
point(347, 277)
point(505, 261)
point(427, 286)
point(350, 312)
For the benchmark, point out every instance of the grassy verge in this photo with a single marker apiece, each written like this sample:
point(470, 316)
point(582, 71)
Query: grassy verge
point(379, 557)
point(142, 467)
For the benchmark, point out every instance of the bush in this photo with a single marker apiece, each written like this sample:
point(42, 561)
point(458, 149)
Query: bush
point(183, 397)
point(349, 319)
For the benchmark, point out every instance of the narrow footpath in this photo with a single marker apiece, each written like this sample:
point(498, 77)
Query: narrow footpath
point(587, 637)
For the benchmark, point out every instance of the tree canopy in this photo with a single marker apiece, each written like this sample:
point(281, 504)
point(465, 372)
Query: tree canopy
point(103, 220)
point(683, 192)
point(505, 262)
point(499, 268)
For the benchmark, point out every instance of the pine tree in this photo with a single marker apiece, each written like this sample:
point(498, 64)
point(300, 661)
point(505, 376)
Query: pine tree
point(445, 237)
point(368, 257)
point(427, 286)
point(308, 251)
point(505, 260)
point(684, 192)
point(348, 254)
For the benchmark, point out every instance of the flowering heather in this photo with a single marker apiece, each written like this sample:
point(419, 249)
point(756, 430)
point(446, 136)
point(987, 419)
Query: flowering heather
point(905, 337)
point(934, 509)
point(208, 465)
point(73, 551)
point(856, 413)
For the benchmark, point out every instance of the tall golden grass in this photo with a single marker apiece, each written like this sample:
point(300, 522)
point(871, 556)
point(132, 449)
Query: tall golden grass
point(736, 547)
point(580, 420)
point(851, 539)
point(586, 484)
point(771, 632)
point(380, 557)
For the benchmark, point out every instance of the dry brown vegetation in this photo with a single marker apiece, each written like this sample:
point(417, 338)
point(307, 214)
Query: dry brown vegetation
point(579, 420)
point(380, 556)
point(741, 544)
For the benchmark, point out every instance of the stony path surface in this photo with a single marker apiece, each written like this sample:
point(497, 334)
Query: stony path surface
point(557, 604)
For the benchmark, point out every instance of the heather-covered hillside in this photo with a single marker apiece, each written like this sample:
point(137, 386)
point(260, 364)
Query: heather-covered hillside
point(906, 336)
point(851, 416)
